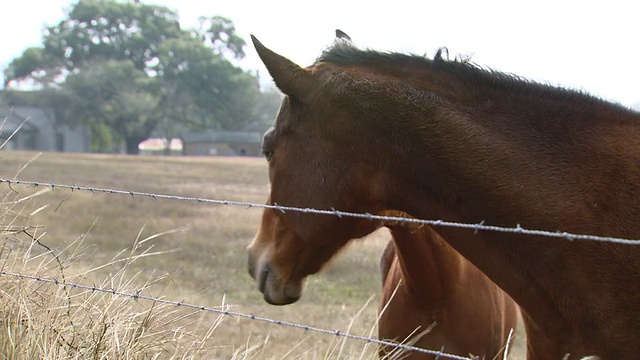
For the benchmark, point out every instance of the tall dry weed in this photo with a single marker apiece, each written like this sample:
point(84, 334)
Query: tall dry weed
point(42, 320)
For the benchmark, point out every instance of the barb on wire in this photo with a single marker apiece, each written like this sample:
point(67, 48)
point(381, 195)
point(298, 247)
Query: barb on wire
point(476, 227)
point(138, 296)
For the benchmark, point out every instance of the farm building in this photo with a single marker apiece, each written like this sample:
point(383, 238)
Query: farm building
point(160, 146)
point(33, 128)
point(225, 143)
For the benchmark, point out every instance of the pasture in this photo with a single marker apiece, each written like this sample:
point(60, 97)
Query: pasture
point(198, 255)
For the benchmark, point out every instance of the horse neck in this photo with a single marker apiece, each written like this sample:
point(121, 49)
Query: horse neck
point(490, 97)
point(470, 152)
point(573, 169)
point(467, 86)
point(430, 267)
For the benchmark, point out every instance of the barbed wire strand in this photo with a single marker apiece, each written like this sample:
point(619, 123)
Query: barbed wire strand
point(136, 296)
point(476, 227)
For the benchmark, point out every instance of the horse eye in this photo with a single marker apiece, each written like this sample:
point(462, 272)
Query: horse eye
point(268, 154)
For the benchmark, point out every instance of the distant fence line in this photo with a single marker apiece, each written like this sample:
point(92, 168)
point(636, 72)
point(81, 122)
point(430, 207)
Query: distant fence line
point(476, 227)
point(137, 295)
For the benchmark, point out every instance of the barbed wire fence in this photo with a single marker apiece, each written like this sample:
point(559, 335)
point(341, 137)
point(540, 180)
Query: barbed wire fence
point(333, 212)
point(476, 227)
point(137, 295)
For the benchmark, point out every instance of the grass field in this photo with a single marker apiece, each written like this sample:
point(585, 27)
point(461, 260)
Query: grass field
point(198, 256)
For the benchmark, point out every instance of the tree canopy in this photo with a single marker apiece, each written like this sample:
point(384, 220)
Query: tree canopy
point(128, 70)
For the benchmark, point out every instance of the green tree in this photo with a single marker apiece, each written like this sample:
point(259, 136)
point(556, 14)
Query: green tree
point(130, 68)
point(27, 65)
point(265, 109)
point(219, 34)
point(115, 94)
point(98, 30)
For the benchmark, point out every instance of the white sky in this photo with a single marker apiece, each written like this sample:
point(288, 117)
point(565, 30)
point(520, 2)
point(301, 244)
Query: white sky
point(586, 45)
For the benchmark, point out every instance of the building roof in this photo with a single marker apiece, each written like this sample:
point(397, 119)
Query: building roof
point(223, 136)
point(156, 144)
point(14, 118)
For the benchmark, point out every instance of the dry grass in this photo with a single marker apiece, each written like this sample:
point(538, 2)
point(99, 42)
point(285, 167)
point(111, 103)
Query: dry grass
point(177, 250)
point(46, 321)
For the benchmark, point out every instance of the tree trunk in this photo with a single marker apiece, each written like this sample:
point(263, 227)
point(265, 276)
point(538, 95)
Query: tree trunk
point(132, 145)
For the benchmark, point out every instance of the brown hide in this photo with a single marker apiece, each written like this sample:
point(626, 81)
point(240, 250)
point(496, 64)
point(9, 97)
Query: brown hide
point(428, 286)
point(365, 131)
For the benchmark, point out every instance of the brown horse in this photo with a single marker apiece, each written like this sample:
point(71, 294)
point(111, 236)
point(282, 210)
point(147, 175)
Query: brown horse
point(428, 286)
point(365, 131)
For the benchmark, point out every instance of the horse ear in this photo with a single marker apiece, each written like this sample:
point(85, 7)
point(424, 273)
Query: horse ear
point(288, 76)
point(342, 35)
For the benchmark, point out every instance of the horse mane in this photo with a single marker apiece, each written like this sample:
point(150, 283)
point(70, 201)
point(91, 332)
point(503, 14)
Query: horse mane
point(346, 54)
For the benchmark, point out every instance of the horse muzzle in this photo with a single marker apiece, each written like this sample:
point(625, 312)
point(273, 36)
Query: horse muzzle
point(274, 290)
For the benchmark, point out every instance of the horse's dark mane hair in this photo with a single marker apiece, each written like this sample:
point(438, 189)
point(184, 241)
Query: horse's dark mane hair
point(345, 53)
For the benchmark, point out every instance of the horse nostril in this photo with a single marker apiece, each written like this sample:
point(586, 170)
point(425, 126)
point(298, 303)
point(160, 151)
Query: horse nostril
point(262, 279)
point(251, 266)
